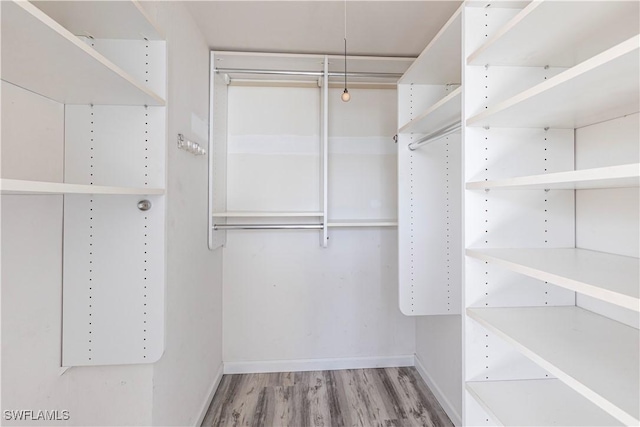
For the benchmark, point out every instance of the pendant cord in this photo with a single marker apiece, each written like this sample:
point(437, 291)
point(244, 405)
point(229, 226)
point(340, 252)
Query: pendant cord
point(345, 45)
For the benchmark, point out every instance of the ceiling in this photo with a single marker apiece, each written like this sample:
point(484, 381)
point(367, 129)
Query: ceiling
point(381, 28)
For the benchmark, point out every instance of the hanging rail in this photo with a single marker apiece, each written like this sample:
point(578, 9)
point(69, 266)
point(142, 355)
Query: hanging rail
point(267, 226)
point(307, 73)
point(441, 133)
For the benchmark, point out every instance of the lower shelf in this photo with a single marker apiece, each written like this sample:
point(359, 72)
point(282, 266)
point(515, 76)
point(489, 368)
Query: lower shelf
point(349, 223)
point(18, 186)
point(596, 356)
point(537, 403)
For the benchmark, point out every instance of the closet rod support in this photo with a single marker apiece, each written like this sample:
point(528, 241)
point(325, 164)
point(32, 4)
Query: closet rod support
point(441, 133)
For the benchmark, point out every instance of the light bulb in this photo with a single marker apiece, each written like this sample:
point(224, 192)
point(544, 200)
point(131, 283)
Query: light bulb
point(345, 96)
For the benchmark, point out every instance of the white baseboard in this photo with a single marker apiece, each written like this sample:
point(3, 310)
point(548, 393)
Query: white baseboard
point(212, 392)
point(444, 402)
point(299, 365)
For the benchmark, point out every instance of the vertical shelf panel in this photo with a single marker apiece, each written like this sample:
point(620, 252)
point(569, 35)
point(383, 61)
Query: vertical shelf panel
point(113, 281)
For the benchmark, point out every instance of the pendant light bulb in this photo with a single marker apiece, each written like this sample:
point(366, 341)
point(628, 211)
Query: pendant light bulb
point(346, 97)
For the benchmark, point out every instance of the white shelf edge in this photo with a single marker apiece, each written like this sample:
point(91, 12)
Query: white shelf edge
point(433, 42)
point(606, 177)
point(429, 111)
point(149, 19)
point(512, 23)
point(549, 365)
point(17, 186)
point(70, 37)
point(361, 223)
point(565, 404)
point(566, 76)
point(630, 302)
point(251, 214)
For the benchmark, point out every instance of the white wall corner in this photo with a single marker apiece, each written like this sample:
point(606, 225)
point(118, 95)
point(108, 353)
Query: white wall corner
point(455, 417)
point(209, 398)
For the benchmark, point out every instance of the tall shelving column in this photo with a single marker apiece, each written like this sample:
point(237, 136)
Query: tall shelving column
point(551, 320)
point(429, 187)
point(106, 96)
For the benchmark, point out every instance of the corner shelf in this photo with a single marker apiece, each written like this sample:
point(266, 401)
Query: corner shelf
point(353, 223)
point(17, 186)
point(606, 177)
point(570, 343)
point(102, 20)
point(558, 33)
point(611, 278)
point(601, 88)
point(249, 214)
point(545, 402)
point(32, 45)
point(440, 62)
point(444, 112)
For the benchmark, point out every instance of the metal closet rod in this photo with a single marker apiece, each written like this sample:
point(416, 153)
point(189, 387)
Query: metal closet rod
point(307, 73)
point(441, 133)
point(267, 226)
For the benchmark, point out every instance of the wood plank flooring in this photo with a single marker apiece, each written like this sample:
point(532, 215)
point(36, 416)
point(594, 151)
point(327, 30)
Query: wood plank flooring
point(386, 397)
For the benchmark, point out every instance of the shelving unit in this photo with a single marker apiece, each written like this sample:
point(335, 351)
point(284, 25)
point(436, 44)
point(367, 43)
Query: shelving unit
point(599, 89)
point(552, 282)
point(569, 342)
point(16, 186)
point(102, 130)
point(32, 46)
point(607, 177)
point(610, 278)
point(537, 403)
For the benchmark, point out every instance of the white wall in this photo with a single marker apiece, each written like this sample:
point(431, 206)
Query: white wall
point(184, 377)
point(285, 298)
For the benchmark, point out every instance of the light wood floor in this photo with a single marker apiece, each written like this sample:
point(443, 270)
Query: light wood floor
point(386, 397)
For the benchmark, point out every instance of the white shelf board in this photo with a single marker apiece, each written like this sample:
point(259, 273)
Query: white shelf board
point(606, 177)
point(596, 356)
point(247, 214)
point(17, 186)
point(40, 55)
point(599, 89)
point(102, 19)
point(353, 223)
point(608, 277)
point(558, 33)
point(440, 62)
point(444, 112)
point(536, 403)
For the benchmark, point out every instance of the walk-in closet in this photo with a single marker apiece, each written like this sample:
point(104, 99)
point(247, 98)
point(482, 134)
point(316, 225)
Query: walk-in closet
point(320, 213)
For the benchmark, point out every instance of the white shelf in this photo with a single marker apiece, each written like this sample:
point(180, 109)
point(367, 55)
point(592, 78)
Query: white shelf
point(440, 62)
point(16, 186)
point(598, 89)
point(537, 403)
point(444, 112)
point(594, 355)
point(611, 278)
point(607, 177)
point(559, 34)
point(32, 47)
point(102, 19)
point(247, 214)
point(353, 223)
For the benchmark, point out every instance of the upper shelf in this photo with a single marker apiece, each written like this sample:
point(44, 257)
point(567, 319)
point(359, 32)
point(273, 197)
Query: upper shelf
point(17, 186)
point(102, 19)
point(440, 62)
point(361, 223)
point(442, 113)
point(606, 177)
point(570, 343)
point(559, 33)
point(40, 55)
point(519, 403)
point(598, 89)
point(611, 278)
point(264, 214)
